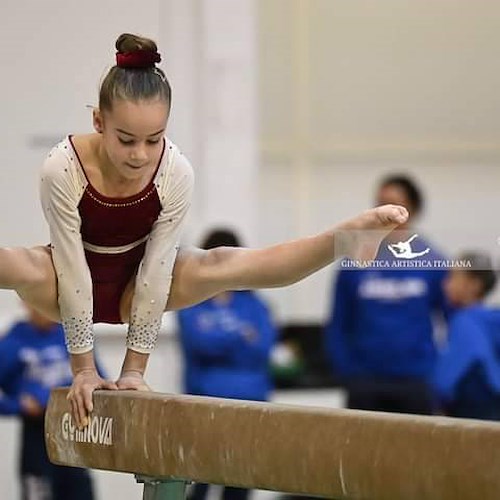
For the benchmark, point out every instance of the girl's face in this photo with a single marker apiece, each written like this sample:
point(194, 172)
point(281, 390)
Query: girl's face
point(132, 135)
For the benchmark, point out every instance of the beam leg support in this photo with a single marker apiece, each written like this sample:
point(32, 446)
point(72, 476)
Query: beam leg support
point(162, 488)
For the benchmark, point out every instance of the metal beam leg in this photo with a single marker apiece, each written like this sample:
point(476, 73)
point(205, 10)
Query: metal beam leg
point(162, 488)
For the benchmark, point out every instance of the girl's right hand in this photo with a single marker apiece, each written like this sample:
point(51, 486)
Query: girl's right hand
point(85, 382)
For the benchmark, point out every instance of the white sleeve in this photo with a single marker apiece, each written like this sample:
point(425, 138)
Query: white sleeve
point(61, 190)
point(154, 275)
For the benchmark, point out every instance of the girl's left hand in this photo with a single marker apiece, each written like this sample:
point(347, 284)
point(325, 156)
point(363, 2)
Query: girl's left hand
point(132, 380)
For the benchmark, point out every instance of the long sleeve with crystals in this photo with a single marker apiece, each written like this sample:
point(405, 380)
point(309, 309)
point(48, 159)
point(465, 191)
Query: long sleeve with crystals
point(61, 188)
point(154, 276)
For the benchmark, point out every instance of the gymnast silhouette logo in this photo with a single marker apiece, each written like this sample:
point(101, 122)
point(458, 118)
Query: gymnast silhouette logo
point(403, 250)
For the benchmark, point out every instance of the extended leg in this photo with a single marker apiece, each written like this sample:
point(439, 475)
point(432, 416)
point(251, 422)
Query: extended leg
point(199, 274)
point(30, 273)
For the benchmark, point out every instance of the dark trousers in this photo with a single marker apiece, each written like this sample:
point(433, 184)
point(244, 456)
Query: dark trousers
point(42, 480)
point(474, 397)
point(200, 490)
point(60, 483)
point(403, 395)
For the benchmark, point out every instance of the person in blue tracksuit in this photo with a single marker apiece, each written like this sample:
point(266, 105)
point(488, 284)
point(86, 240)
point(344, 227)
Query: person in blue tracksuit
point(227, 343)
point(379, 337)
point(33, 360)
point(467, 375)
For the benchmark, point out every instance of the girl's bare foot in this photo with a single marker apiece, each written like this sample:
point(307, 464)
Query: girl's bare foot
point(359, 238)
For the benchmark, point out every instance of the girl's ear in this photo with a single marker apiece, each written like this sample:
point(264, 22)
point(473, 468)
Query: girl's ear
point(97, 120)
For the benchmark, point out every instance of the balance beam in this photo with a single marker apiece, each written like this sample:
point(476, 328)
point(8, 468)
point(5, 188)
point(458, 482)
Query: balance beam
point(342, 454)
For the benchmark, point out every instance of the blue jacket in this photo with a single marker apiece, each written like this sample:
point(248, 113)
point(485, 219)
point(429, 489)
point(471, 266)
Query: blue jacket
point(468, 368)
point(381, 322)
point(33, 362)
point(227, 347)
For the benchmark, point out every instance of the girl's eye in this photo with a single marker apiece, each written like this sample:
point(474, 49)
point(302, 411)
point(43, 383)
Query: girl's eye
point(125, 142)
point(128, 142)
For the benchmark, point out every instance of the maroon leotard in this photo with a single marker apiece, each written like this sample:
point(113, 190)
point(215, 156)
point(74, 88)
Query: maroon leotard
point(113, 222)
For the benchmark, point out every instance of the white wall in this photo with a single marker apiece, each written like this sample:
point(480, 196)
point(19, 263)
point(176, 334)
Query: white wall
point(352, 90)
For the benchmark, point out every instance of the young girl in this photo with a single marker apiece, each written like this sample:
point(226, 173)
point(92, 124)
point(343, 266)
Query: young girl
point(115, 202)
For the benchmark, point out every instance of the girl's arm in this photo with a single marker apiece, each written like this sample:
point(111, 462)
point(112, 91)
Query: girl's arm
point(61, 188)
point(174, 183)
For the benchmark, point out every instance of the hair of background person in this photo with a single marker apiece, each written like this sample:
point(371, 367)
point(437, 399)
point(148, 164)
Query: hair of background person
point(409, 186)
point(220, 237)
point(481, 267)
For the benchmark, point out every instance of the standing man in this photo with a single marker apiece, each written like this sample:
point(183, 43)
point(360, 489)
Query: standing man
point(379, 337)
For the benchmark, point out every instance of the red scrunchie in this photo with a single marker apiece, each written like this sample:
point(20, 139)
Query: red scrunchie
point(137, 59)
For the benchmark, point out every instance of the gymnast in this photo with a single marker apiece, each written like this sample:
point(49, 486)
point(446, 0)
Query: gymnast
point(115, 202)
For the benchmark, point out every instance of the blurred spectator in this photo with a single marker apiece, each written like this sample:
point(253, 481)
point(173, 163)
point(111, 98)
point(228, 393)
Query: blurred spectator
point(380, 338)
point(467, 377)
point(34, 360)
point(227, 343)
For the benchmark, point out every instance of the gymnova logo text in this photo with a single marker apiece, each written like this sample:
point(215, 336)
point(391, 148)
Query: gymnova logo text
point(98, 431)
